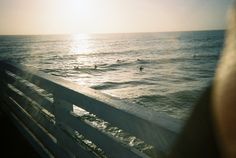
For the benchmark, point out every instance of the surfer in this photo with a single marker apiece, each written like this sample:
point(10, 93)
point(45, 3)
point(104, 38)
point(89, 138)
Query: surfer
point(76, 67)
point(95, 67)
point(141, 68)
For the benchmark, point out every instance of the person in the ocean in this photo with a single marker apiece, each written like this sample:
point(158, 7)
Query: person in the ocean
point(95, 67)
point(141, 68)
point(76, 67)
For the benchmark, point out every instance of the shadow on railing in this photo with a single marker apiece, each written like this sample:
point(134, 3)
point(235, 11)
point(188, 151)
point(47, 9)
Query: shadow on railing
point(63, 119)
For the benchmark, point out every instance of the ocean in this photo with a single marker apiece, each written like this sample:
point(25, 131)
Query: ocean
point(165, 72)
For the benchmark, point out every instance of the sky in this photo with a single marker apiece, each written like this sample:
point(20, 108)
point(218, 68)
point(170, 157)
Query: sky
point(110, 16)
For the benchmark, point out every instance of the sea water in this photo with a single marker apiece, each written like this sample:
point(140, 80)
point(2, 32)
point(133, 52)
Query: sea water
point(176, 66)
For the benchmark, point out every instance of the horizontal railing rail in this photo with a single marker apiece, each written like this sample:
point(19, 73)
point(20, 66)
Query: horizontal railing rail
point(60, 118)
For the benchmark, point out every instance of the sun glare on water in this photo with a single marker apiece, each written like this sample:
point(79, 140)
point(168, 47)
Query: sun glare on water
point(80, 44)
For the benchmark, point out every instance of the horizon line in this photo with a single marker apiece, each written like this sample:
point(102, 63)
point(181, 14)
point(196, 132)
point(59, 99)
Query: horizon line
point(173, 31)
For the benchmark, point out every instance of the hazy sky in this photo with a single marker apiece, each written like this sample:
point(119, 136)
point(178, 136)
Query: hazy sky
point(108, 16)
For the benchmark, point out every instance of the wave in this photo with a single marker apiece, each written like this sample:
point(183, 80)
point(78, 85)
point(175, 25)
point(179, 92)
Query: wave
point(176, 99)
point(113, 85)
point(150, 98)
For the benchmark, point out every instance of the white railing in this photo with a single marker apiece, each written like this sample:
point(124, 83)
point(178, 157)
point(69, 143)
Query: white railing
point(44, 108)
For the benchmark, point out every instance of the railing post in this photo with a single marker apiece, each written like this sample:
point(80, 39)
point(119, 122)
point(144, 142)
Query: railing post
point(60, 108)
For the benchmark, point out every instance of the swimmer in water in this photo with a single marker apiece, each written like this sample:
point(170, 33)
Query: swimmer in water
point(141, 68)
point(76, 67)
point(95, 67)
